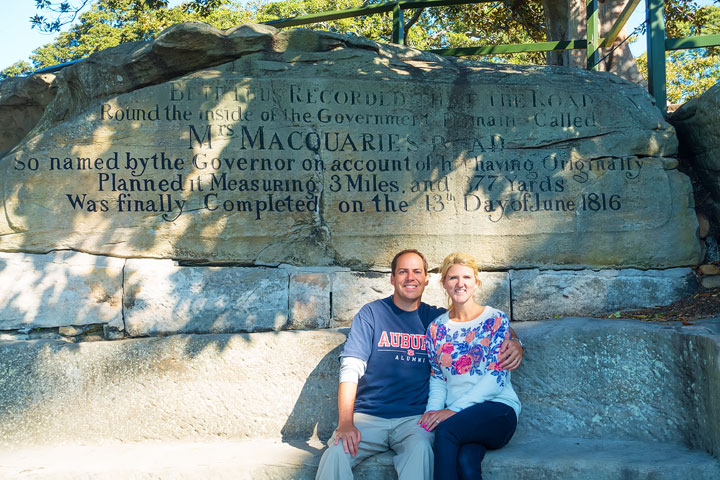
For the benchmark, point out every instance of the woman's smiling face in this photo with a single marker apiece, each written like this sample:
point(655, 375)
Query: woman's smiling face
point(460, 283)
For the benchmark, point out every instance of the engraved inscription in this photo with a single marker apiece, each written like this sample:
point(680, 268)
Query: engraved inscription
point(266, 150)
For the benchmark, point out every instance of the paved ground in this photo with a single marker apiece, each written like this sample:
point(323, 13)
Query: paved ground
point(550, 458)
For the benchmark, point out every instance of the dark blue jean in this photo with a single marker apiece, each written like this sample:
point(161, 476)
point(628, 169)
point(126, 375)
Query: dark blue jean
point(461, 440)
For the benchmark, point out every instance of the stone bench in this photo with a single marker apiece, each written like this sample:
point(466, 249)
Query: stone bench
point(551, 458)
point(601, 399)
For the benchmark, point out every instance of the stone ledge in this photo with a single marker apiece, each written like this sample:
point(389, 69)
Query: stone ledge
point(548, 458)
point(146, 297)
point(169, 388)
point(310, 300)
point(581, 377)
point(546, 294)
point(595, 378)
point(161, 297)
point(59, 289)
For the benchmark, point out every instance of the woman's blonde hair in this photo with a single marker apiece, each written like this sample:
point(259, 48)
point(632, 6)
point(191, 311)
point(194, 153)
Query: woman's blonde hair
point(458, 258)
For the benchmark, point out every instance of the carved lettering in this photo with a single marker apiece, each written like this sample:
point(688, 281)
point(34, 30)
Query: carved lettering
point(264, 150)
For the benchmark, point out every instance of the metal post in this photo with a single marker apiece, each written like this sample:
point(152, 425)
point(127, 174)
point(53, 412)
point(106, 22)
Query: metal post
point(398, 35)
point(655, 15)
point(619, 23)
point(593, 35)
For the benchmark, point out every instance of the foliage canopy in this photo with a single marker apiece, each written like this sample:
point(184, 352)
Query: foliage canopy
point(690, 72)
point(112, 22)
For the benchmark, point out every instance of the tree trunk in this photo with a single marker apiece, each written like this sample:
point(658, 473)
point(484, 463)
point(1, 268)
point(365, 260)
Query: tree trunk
point(566, 20)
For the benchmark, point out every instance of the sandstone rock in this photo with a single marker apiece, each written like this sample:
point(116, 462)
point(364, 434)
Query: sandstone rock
point(709, 269)
point(170, 388)
point(309, 295)
point(712, 253)
point(712, 281)
point(580, 378)
point(614, 377)
point(697, 125)
point(113, 333)
point(313, 148)
point(71, 331)
point(22, 102)
point(352, 290)
point(6, 337)
point(543, 295)
point(59, 289)
point(180, 49)
point(435, 293)
point(703, 225)
point(162, 298)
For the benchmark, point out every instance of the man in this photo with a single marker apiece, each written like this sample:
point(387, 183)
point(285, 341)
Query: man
point(384, 379)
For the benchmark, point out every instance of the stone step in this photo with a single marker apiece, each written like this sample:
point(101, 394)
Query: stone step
point(543, 458)
point(550, 458)
point(587, 378)
point(221, 459)
point(203, 406)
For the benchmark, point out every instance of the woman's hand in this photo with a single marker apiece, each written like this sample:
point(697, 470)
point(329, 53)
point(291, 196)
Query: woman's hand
point(431, 419)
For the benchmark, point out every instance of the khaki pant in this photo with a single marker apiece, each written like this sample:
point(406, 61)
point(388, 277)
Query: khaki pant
point(412, 445)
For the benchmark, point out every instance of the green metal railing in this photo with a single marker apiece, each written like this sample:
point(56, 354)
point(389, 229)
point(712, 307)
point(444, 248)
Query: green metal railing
point(657, 44)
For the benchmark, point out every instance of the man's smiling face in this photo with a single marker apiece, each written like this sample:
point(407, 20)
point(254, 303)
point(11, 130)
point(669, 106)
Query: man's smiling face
point(409, 280)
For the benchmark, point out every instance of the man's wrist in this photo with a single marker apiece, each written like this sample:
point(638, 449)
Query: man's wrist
point(345, 426)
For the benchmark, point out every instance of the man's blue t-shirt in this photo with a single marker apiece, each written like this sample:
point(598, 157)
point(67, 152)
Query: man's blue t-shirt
point(392, 342)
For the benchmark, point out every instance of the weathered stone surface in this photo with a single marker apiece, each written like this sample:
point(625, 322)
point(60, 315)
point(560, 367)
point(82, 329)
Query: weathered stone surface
point(581, 378)
point(22, 102)
point(352, 290)
point(169, 388)
point(613, 379)
point(709, 269)
point(309, 295)
point(161, 297)
point(697, 125)
point(59, 289)
point(547, 458)
point(321, 149)
point(180, 49)
point(70, 331)
point(703, 225)
point(712, 253)
point(543, 295)
point(712, 281)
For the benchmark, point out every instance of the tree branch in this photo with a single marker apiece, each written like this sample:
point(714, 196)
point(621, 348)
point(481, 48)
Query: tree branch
point(413, 20)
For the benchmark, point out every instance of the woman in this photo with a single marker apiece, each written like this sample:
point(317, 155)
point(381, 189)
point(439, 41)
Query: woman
point(472, 406)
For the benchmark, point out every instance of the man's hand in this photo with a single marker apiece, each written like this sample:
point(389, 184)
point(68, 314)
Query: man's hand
point(511, 354)
point(431, 419)
point(350, 437)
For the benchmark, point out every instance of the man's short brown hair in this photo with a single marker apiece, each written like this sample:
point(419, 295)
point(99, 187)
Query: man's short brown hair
point(393, 264)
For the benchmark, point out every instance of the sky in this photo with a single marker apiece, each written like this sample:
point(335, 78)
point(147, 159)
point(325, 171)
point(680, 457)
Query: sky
point(19, 40)
point(16, 36)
